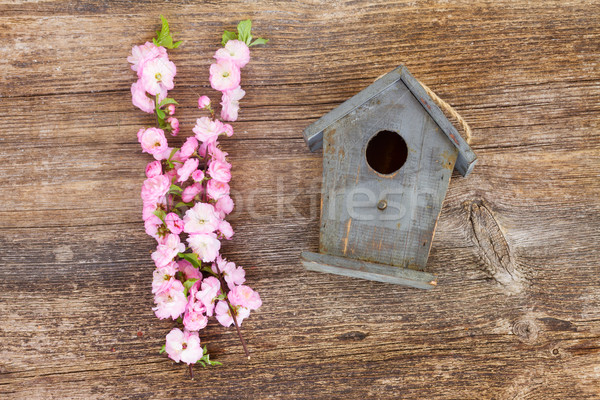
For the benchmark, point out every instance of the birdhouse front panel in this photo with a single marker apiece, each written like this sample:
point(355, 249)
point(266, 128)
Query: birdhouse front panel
point(386, 168)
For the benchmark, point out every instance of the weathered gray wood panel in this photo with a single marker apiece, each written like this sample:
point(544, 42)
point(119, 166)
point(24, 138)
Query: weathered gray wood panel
point(351, 224)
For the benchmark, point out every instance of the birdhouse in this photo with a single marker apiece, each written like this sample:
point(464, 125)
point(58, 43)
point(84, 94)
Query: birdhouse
point(388, 155)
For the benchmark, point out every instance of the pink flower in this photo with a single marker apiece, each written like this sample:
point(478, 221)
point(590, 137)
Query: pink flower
point(165, 252)
point(184, 346)
point(210, 289)
point(201, 219)
point(198, 175)
point(205, 245)
point(163, 155)
point(225, 229)
point(163, 277)
point(140, 99)
point(188, 148)
point(151, 206)
point(203, 102)
point(230, 102)
point(152, 226)
point(224, 75)
point(153, 169)
point(224, 206)
point(171, 110)
point(188, 270)
point(174, 223)
point(194, 318)
point(141, 54)
point(244, 296)
point(190, 192)
point(207, 130)
point(228, 130)
point(157, 75)
point(153, 140)
point(174, 122)
point(233, 275)
point(170, 302)
point(224, 317)
point(217, 153)
point(155, 188)
point(220, 170)
point(186, 170)
point(235, 51)
point(216, 189)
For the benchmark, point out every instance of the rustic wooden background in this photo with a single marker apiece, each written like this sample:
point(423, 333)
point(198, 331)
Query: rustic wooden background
point(517, 310)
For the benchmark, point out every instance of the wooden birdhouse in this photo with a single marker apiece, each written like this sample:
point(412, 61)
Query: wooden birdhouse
point(388, 154)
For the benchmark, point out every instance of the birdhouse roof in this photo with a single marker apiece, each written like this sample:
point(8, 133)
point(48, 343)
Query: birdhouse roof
point(313, 135)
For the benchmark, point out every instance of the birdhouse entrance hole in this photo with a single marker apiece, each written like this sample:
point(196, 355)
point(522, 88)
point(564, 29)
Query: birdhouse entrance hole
point(386, 152)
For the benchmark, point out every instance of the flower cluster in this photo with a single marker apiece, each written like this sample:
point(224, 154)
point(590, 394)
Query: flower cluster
point(186, 196)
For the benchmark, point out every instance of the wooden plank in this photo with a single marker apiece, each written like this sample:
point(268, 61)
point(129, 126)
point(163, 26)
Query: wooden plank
point(517, 310)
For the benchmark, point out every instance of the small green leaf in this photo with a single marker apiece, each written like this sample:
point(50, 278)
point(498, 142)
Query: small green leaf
point(182, 204)
point(244, 28)
point(192, 258)
point(172, 153)
point(221, 296)
point(259, 41)
point(166, 101)
point(160, 214)
point(162, 349)
point(227, 36)
point(163, 37)
point(188, 284)
point(177, 44)
point(175, 188)
point(161, 114)
point(179, 320)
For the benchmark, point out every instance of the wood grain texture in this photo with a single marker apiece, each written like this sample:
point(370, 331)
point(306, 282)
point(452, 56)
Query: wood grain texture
point(516, 313)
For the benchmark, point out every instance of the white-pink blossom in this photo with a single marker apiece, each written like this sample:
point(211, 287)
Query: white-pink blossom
point(186, 169)
point(207, 130)
point(190, 192)
point(174, 223)
point(188, 270)
point(235, 51)
point(170, 303)
point(141, 54)
point(140, 99)
point(216, 189)
point(153, 169)
point(152, 226)
point(205, 245)
point(203, 102)
point(184, 346)
point(244, 296)
point(201, 219)
point(224, 75)
point(225, 229)
point(198, 175)
point(194, 318)
point(188, 148)
point(155, 188)
point(157, 75)
point(153, 140)
point(210, 289)
point(223, 314)
point(224, 206)
point(233, 275)
point(220, 170)
point(163, 277)
point(230, 103)
point(174, 122)
point(165, 252)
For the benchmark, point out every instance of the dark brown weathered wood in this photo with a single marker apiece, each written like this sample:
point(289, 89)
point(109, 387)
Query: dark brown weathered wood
point(517, 309)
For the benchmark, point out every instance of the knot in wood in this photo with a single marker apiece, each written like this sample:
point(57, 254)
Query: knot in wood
point(526, 330)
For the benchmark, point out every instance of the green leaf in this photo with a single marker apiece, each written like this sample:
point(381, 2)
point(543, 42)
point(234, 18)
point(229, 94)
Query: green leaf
point(227, 36)
point(179, 320)
point(244, 28)
point(177, 44)
point(192, 258)
point(188, 284)
point(166, 101)
point(259, 41)
point(160, 214)
point(161, 114)
point(162, 349)
point(182, 204)
point(163, 37)
point(175, 188)
point(172, 153)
